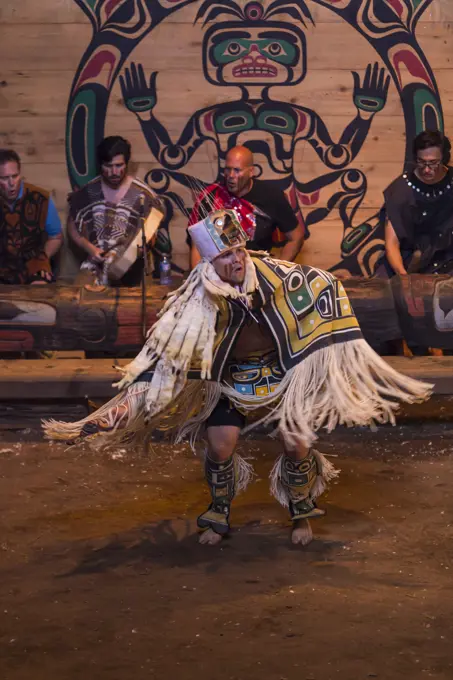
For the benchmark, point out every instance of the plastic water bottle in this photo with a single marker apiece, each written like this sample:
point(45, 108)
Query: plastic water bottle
point(165, 271)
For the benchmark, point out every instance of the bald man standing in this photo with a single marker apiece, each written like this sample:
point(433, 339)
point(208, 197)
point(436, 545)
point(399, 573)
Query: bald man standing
point(260, 206)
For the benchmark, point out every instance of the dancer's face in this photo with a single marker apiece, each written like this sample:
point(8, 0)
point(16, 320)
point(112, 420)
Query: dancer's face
point(231, 266)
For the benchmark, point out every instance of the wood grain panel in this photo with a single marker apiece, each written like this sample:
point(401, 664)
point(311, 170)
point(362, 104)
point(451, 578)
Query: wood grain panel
point(64, 44)
point(66, 11)
point(26, 93)
point(44, 141)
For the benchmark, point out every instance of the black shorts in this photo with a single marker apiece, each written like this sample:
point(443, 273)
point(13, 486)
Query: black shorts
point(225, 414)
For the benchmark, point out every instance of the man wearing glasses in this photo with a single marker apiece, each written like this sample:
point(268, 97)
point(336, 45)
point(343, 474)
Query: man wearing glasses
point(419, 209)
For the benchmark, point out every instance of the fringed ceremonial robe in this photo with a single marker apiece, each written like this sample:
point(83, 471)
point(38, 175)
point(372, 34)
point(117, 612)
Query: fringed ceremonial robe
point(330, 375)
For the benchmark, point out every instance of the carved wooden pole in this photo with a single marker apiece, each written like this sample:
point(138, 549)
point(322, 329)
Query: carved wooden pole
point(418, 308)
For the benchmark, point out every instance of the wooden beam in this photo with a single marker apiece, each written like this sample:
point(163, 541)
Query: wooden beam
point(72, 379)
point(58, 379)
point(435, 370)
point(63, 43)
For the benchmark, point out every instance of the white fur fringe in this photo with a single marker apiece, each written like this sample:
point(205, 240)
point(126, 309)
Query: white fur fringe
point(342, 384)
point(326, 473)
point(244, 473)
point(183, 335)
point(120, 416)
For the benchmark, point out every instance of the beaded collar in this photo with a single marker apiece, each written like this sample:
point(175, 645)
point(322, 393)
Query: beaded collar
point(430, 190)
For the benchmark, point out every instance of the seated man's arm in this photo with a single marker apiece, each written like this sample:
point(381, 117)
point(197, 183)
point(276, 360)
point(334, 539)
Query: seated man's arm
point(392, 249)
point(83, 242)
point(53, 245)
point(53, 230)
point(295, 241)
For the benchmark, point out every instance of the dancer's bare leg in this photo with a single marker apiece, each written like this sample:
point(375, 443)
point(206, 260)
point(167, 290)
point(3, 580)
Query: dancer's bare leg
point(222, 442)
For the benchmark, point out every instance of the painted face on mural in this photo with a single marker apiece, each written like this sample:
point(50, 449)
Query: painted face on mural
point(268, 54)
point(10, 180)
point(429, 165)
point(230, 266)
point(114, 172)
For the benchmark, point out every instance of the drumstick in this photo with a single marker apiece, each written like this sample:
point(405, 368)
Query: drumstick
point(145, 264)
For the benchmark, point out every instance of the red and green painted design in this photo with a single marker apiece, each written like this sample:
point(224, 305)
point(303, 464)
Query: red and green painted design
point(255, 46)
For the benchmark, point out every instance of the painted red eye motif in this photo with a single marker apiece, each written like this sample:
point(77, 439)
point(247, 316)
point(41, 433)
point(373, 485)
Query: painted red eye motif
point(253, 11)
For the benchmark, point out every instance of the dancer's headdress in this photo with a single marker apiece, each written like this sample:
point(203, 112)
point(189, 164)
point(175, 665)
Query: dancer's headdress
point(219, 232)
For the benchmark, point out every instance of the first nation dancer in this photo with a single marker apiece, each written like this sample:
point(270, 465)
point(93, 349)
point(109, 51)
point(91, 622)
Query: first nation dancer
point(275, 343)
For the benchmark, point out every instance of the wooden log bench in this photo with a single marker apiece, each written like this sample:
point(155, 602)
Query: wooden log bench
point(108, 321)
point(68, 389)
point(73, 379)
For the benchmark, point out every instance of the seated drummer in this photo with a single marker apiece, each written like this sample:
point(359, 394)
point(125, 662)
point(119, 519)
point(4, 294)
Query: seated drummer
point(419, 209)
point(106, 213)
point(263, 210)
point(30, 228)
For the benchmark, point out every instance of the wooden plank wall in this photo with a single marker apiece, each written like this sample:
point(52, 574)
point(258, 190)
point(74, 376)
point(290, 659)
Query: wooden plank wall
point(41, 44)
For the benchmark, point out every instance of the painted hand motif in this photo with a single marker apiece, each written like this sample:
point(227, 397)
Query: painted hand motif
point(139, 97)
point(371, 96)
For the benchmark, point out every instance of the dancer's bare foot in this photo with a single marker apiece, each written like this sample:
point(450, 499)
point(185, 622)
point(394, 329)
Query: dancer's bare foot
point(301, 533)
point(209, 537)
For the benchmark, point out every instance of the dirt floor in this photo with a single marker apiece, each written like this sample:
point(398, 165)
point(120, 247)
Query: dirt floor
point(101, 576)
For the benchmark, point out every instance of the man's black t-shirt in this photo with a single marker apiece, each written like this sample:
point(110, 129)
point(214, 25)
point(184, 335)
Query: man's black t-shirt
point(272, 211)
